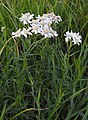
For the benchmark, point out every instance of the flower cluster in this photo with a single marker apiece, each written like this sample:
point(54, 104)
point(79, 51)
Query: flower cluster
point(26, 18)
point(41, 25)
point(74, 37)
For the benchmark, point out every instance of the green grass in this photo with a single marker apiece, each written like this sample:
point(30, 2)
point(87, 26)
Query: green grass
point(39, 79)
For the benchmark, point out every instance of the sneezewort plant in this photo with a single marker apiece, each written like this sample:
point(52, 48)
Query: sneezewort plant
point(72, 38)
point(43, 25)
point(42, 73)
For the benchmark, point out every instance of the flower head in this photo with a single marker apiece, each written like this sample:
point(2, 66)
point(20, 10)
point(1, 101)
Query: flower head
point(49, 18)
point(45, 30)
point(26, 18)
point(53, 32)
point(26, 32)
point(35, 28)
point(16, 34)
point(75, 37)
point(48, 32)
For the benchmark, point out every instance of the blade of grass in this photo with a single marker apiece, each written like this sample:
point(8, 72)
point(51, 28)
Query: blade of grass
point(29, 109)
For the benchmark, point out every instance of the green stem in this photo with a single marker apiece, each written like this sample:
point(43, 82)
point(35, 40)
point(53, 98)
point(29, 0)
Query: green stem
point(4, 45)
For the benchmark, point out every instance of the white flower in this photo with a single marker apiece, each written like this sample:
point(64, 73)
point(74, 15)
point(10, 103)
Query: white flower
point(54, 18)
point(26, 32)
point(16, 34)
point(54, 33)
point(68, 36)
point(49, 18)
point(2, 29)
point(48, 31)
point(39, 18)
point(75, 37)
point(35, 28)
point(44, 20)
point(57, 19)
point(26, 18)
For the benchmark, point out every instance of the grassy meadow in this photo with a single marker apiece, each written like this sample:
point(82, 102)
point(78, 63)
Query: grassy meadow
point(43, 79)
